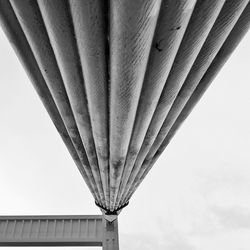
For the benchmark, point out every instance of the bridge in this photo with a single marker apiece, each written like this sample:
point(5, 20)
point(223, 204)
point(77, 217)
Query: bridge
point(118, 78)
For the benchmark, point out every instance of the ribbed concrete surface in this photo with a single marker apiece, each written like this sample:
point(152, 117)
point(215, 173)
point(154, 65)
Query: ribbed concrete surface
point(118, 78)
point(51, 230)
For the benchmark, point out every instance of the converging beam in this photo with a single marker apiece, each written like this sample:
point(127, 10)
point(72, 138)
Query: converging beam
point(118, 78)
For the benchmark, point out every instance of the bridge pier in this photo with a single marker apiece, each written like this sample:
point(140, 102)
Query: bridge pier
point(110, 240)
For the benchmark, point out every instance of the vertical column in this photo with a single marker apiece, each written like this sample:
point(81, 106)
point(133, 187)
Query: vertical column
point(110, 235)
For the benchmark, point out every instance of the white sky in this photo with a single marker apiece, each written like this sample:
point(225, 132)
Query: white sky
point(197, 196)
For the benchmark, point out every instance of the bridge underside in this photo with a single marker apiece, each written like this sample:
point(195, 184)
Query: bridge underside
point(118, 78)
point(91, 230)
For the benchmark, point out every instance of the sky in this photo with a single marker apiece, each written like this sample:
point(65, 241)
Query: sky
point(196, 197)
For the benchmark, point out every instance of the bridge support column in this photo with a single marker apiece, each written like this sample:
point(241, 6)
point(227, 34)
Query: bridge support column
point(110, 236)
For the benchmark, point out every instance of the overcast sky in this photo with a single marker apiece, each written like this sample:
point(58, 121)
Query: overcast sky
point(197, 196)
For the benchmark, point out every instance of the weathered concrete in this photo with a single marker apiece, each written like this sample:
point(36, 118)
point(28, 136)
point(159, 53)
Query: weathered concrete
point(202, 20)
point(60, 230)
point(223, 25)
point(172, 22)
point(232, 41)
point(118, 78)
